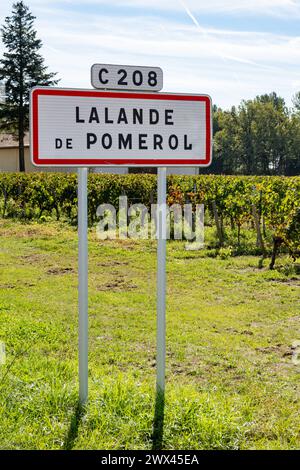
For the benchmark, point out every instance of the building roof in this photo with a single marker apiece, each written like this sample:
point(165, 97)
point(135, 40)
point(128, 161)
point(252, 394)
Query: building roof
point(8, 141)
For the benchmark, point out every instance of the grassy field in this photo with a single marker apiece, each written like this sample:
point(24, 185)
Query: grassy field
point(232, 373)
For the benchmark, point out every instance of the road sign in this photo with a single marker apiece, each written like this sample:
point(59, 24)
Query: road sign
point(126, 77)
point(82, 128)
point(99, 128)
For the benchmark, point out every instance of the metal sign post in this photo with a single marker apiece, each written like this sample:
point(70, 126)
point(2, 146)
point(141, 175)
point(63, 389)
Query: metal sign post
point(83, 284)
point(161, 280)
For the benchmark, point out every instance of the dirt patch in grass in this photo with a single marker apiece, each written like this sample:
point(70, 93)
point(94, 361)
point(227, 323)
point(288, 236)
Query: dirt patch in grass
point(293, 281)
point(34, 258)
point(294, 319)
point(104, 338)
point(235, 331)
point(280, 349)
point(231, 330)
point(117, 285)
point(26, 231)
point(58, 271)
point(113, 263)
point(14, 286)
point(188, 257)
point(250, 269)
point(126, 244)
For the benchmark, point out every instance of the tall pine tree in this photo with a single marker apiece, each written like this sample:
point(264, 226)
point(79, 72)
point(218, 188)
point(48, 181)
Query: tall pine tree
point(21, 68)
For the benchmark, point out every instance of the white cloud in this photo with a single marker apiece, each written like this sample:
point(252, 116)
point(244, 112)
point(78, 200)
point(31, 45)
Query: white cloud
point(257, 7)
point(228, 65)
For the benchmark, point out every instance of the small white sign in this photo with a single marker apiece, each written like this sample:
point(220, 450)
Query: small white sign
point(126, 77)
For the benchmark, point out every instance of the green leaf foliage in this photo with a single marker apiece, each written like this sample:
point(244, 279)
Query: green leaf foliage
point(277, 199)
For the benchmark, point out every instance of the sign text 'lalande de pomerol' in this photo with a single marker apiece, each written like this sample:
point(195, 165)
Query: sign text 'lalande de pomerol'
point(98, 128)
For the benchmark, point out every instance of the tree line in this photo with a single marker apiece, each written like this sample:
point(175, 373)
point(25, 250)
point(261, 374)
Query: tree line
point(259, 137)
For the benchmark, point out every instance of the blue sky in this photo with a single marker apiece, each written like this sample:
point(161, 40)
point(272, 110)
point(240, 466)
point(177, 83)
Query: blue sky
point(229, 49)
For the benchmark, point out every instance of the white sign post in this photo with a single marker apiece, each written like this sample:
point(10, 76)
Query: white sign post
point(83, 283)
point(161, 281)
point(90, 128)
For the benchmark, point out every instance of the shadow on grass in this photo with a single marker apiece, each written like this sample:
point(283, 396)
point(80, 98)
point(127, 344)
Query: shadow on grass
point(158, 423)
point(74, 426)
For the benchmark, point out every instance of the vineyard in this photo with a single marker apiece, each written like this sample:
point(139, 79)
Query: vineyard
point(268, 207)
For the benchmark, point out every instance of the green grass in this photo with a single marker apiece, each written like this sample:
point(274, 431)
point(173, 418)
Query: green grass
point(231, 380)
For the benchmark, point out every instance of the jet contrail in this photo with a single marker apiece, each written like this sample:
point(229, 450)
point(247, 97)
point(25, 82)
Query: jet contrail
point(204, 33)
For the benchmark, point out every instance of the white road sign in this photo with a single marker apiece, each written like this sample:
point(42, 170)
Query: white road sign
point(126, 77)
point(98, 128)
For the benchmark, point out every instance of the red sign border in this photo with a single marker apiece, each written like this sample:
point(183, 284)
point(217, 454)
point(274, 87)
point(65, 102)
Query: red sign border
point(133, 162)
